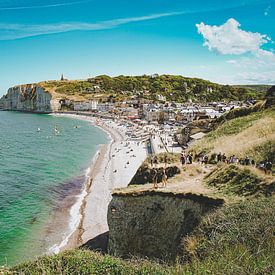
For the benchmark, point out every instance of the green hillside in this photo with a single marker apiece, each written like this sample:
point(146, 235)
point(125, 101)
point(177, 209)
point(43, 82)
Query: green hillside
point(252, 134)
point(174, 87)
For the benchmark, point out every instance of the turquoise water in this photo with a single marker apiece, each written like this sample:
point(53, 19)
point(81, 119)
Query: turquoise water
point(38, 170)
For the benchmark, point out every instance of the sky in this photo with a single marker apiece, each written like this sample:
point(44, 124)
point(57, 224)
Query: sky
point(228, 42)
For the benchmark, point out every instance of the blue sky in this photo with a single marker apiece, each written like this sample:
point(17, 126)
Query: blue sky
point(223, 42)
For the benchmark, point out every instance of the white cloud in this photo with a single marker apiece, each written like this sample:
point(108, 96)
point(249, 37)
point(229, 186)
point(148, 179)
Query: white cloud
point(15, 31)
point(10, 5)
point(229, 38)
point(232, 61)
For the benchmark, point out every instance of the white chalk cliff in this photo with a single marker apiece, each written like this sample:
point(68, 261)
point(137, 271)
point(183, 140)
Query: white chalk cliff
point(29, 98)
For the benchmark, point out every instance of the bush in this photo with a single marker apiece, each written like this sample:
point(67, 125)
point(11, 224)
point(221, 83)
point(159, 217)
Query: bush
point(237, 238)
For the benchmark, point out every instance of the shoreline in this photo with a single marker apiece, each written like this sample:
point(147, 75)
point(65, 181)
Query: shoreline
point(105, 174)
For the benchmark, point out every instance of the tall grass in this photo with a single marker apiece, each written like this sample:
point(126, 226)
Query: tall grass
point(252, 135)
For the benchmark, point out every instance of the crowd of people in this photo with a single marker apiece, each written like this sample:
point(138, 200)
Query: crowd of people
point(266, 165)
point(186, 159)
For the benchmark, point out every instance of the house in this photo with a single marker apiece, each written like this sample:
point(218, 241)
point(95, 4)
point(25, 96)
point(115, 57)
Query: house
point(161, 98)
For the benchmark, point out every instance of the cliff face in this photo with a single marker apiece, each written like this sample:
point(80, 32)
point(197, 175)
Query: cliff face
point(152, 224)
point(29, 98)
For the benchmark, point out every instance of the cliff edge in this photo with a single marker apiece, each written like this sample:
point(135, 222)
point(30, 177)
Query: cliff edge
point(29, 98)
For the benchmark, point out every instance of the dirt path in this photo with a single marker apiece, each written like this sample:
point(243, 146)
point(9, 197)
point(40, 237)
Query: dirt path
point(190, 180)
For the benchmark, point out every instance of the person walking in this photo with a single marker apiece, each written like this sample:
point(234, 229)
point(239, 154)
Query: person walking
point(164, 177)
point(182, 159)
point(155, 178)
point(268, 167)
point(190, 158)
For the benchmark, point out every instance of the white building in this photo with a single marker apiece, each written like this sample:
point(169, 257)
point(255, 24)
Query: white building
point(105, 107)
point(161, 97)
point(85, 106)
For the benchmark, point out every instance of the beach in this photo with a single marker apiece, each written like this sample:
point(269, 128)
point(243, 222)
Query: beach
point(114, 166)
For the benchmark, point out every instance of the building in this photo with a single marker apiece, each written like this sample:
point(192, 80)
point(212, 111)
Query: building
point(85, 106)
point(105, 107)
point(161, 98)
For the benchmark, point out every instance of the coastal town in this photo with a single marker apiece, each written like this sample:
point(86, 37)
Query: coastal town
point(169, 126)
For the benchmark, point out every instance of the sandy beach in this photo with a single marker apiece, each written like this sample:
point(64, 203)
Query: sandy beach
point(113, 167)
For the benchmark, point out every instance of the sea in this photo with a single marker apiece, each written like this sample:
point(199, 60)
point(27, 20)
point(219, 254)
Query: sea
point(44, 162)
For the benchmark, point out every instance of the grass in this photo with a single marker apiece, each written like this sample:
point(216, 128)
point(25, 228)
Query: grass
point(87, 262)
point(238, 180)
point(236, 239)
point(252, 135)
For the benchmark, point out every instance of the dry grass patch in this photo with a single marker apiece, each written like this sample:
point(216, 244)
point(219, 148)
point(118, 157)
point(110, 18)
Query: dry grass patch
point(253, 135)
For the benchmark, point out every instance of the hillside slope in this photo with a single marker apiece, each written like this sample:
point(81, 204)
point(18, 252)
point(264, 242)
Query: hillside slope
point(174, 87)
point(252, 135)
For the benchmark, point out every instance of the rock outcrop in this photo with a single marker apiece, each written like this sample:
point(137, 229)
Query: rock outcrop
point(153, 223)
point(29, 98)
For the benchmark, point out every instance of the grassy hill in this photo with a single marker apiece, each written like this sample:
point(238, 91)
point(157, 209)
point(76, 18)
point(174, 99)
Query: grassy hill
point(252, 134)
point(173, 87)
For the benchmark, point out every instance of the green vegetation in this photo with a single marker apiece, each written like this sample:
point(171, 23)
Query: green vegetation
point(252, 135)
point(174, 87)
point(86, 262)
point(258, 88)
point(236, 239)
point(241, 112)
point(239, 181)
point(240, 123)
